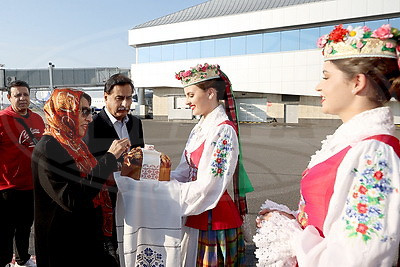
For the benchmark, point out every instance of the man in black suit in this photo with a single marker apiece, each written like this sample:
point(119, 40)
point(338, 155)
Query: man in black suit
point(114, 122)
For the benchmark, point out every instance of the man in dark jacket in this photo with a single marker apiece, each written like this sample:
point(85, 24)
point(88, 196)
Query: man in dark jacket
point(20, 128)
point(114, 122)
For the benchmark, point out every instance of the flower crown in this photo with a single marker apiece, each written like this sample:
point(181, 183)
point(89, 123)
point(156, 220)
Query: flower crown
point(197, 74)
point(360, 42)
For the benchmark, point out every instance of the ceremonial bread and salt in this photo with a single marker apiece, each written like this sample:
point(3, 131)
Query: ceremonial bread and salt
point(146, 163)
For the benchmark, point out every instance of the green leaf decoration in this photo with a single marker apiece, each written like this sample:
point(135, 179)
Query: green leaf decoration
point(367, 34)
point(354, 234)
point(388, 49)
point(366, 238)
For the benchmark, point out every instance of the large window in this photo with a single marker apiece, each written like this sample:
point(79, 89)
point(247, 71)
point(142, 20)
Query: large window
point(167, 52)
point(271, 42)
point(289, 40)
point(238, 45)
point(143, 54)
point(180, 51)
point(325, 30)
point(155, 53)
point(254, 43)
point(395, 23)
point(222, 47)
point(193, 49)
point(308, 38)
point(374, 24)
point(207, 48)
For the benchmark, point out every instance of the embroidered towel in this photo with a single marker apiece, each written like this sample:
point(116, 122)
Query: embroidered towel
point(150, 164)
point(148, 220)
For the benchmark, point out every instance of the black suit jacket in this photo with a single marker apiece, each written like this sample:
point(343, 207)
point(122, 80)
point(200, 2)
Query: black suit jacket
point(101, 134)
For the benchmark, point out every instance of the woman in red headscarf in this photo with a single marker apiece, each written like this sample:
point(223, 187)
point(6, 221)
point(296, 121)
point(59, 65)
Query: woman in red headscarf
point(66, 180)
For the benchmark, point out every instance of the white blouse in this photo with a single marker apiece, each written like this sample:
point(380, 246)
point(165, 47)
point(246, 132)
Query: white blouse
point(216, 166)
point(362, 225)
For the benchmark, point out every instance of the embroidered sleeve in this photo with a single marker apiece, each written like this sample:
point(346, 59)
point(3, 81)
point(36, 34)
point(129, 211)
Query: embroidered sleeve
point(362, 224)
point(215, 171)
point(365, 205)
point(222, 150)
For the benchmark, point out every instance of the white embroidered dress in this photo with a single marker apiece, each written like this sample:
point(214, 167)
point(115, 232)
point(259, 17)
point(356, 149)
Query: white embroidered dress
point(212, 178)
point(148, 210)
point(362, 225)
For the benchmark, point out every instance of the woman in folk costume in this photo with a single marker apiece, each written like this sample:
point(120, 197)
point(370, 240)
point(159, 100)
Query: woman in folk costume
point(210, 162)
point(350, 199)
point(68, 231)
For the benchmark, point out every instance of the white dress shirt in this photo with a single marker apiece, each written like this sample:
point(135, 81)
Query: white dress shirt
point(119, 126)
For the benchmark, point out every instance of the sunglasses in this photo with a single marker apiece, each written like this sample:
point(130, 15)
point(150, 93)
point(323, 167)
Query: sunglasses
point(86, 112)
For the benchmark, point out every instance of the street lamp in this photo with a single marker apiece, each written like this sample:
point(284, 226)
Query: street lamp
point(51, 66)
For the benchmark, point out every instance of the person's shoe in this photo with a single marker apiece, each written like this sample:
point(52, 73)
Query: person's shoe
point(29, 263)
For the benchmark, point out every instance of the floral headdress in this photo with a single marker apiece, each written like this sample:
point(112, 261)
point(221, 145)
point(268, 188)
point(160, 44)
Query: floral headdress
point(201, 73)
point(197, 74)
point(360, 42)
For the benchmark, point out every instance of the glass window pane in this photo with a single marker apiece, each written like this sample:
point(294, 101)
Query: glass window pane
point(167, 52)
point(375, 24)
point(238, 45)
point(207, 48)
point(193, 49)
point(272, 42)
point(355, 24)
point(290, 40)
point(254, 43)
point(143, 55)
point(180, 51)
point(395, 22)
point(155, 53)
point(325, 30)
point(222, 47)
point(308, 38)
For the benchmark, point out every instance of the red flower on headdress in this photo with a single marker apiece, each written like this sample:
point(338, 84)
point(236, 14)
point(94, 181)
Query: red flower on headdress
point(338, 34)
point(177, 76)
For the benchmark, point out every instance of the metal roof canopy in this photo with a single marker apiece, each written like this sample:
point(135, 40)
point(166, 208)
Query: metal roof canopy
point(62, 77)
point(217, 8)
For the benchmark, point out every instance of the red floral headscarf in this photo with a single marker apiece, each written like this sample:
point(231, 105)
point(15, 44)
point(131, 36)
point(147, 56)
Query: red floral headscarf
point(62, 114)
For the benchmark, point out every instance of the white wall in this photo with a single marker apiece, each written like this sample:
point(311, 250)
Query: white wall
point(293, 72)
point(267, 19)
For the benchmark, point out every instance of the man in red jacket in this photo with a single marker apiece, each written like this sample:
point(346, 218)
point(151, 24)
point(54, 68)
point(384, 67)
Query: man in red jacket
point(20, 128)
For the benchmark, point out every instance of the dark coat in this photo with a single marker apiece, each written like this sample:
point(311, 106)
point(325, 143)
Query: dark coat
point(67, 228)
point(101, 133)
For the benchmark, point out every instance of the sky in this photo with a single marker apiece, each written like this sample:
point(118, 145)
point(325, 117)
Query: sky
point(75, 33)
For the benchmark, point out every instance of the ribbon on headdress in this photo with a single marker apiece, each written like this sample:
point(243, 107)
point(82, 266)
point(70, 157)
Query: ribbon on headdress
point(241, 181)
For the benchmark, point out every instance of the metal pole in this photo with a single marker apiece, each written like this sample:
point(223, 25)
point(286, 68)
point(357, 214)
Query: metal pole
point(51, 66)
point(141, 96)
point(4, 85)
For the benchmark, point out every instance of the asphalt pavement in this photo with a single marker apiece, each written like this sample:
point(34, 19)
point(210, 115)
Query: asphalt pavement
point(274, 156)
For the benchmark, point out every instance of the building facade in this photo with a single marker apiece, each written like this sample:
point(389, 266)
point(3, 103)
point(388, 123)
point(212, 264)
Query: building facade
point(266, 47)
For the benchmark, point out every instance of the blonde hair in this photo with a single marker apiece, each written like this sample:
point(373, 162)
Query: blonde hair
point(382, 73)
